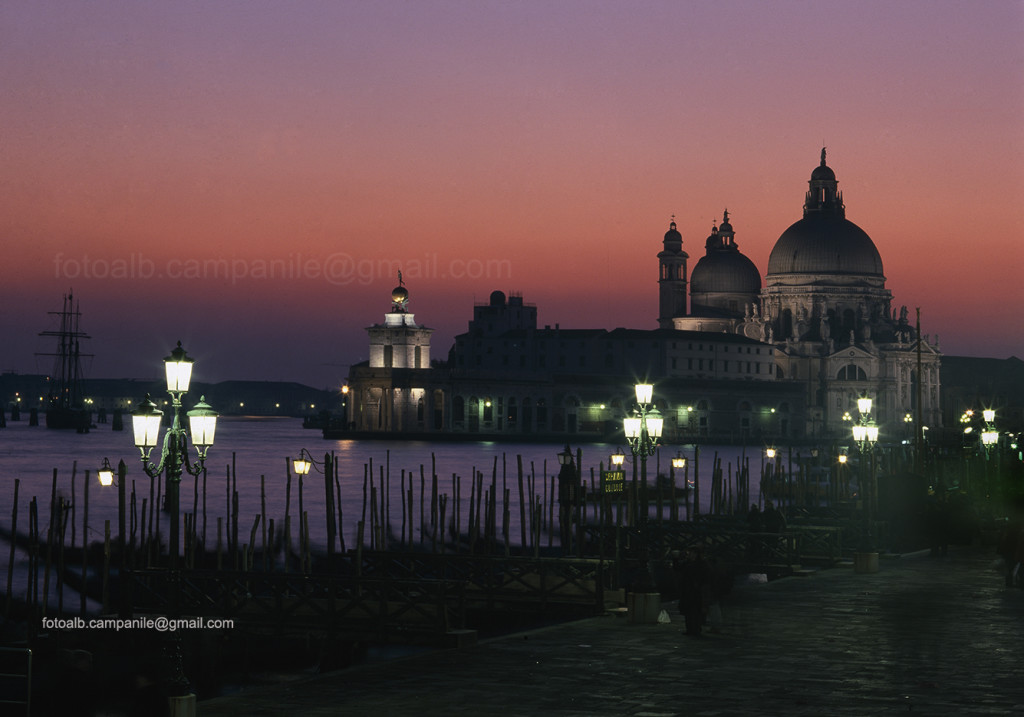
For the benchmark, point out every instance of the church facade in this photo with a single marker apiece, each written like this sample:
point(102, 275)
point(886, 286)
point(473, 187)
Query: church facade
point(826, 312)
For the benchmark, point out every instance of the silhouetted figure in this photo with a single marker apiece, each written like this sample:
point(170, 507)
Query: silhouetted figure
point(773, 520)
point(1008, 550)
point(694, 579)
point(937, 520)
point(754, 519)
point(1019, 568)
point(755, 543)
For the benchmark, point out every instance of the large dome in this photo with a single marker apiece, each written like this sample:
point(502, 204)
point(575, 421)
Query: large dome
point(825, 244)
point(824, 241)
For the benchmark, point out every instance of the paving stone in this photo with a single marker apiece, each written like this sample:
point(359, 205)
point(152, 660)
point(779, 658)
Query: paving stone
point(924, 635)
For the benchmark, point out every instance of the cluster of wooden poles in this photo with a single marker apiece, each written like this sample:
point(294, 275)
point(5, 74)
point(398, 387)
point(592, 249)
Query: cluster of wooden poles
point(475, 518)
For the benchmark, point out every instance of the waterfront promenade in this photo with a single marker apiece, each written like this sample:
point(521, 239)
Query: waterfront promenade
point(925, 635)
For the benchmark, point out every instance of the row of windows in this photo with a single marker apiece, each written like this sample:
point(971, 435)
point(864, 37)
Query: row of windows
point(609, 346)
point(753, 367)
point(489, 406)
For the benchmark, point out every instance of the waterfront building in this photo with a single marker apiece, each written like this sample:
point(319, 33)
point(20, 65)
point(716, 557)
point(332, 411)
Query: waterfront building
point(507, 377)
point(580, 381)
point(731, 359)
point(393, 392)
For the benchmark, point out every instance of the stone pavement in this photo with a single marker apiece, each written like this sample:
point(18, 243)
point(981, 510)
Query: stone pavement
point(924, 635)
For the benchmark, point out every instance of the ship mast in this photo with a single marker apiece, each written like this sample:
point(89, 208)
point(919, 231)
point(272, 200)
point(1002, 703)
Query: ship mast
point(66, 381)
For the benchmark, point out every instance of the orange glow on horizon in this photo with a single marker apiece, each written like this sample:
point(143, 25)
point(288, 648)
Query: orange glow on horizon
point(293, 161)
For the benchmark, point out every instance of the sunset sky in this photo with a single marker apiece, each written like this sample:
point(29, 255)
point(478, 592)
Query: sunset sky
point(247, 176)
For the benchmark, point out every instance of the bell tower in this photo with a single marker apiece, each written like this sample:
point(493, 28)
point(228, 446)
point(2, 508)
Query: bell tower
point(671, 278)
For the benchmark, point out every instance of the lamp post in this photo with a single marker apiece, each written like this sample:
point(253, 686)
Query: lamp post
point(301, 465)
point(106, 478)
point(990, 441)
point(865, 435)
point(989, 436)
point(643, 430)
point(344, 406)
point(678, 463)
point(842, 477)
point(616, 460)
point(174, 453)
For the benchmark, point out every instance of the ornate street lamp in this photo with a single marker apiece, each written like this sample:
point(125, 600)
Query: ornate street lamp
point(303, 463)
point(565, 456)
point(301, 466)
point(989, 436)
point(174, 453)
point(105, 474)
point(865, 435)
point(990, 441)
point(107, 478)
point(679, 464)
point(643, 431)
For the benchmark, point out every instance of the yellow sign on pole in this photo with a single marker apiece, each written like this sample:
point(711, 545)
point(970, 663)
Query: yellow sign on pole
point(612, 481)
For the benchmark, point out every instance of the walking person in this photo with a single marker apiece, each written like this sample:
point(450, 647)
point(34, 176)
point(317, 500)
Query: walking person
point(693, 579)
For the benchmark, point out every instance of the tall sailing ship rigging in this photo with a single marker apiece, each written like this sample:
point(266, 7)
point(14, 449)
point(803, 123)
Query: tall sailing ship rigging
point(65, 401)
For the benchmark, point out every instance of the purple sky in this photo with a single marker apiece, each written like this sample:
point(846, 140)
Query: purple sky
point(247, 176)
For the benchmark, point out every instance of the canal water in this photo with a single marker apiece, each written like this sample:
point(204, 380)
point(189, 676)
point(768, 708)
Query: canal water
point(258, 450)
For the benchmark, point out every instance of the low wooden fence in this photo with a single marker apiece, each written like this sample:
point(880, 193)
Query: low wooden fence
point(381, 609)
point(729, 546)
point(15, 681)
point(515, 582)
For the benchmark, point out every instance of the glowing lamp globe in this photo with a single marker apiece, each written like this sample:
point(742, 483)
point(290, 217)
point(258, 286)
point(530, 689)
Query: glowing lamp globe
point(146, 424)
point(179, 370)
point(565, 457)
point(105, 474)
point(655, 424)
point(631, 426)
point(644, 393)
point(202, 421)
point(864, 405)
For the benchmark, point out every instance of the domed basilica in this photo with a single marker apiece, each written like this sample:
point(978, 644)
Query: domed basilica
point(824, 309)
point(731, 360)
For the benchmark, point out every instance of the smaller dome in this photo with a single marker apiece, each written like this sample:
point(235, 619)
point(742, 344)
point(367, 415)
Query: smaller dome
point(727, 272)
point(823, 173)
point(497, 298)
point(399, 295)
point(673, 234)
